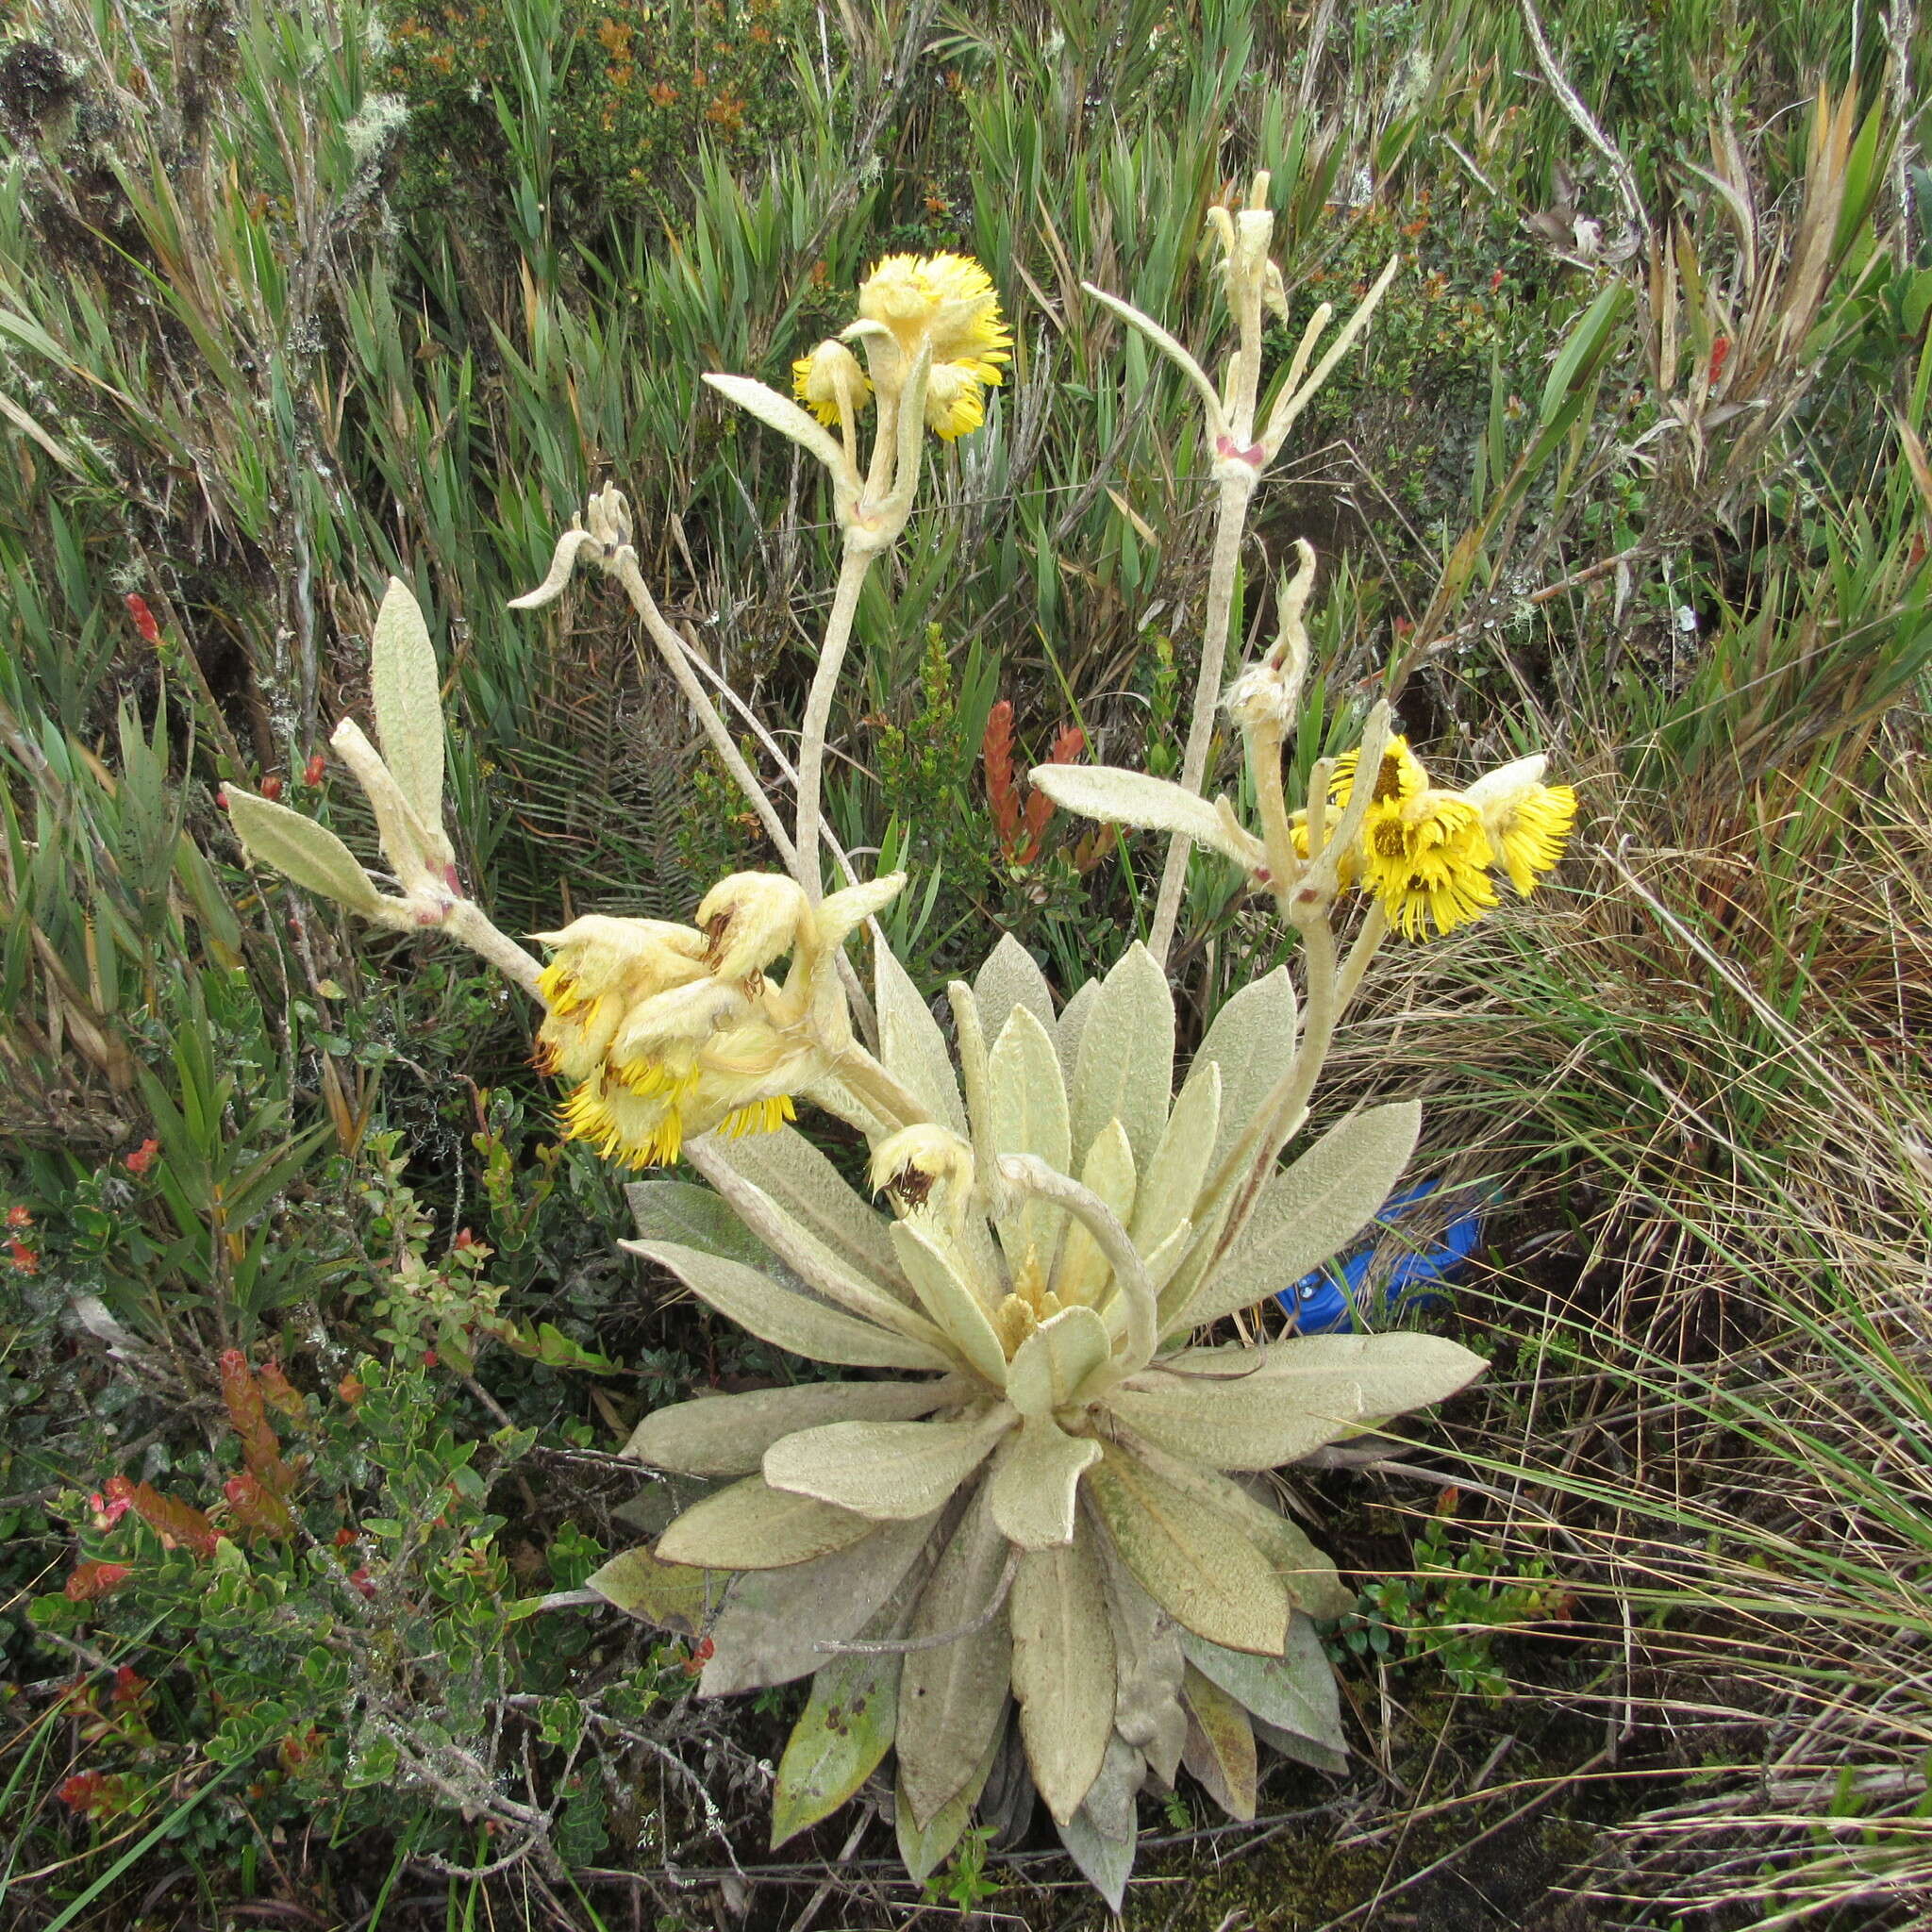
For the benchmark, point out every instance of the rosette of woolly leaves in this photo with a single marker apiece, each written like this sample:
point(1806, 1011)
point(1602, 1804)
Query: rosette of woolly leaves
point(1032, 1506)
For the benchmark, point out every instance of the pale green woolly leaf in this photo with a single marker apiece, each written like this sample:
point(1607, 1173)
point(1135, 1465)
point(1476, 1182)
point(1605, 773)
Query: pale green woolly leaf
point(1148, 1664)
point(753, 1526)
point(803, 1182)
point(1301, 1749)
point(1081, 1272)
point(839, 1740)
point(1221, 1745)
point(1109, 1805)
point(785, 1318)
point(1034, 1486)
point(1259, 1408)
point(890, 1472)
point(953, 1697)
point(1028, 1105)
point(1071, 1025)
point(933, 1267)
point(1164, 1262)
point(1063, 1670)
point(780, 413)
point(1295, 1692)
point(1252, 1040)
point(774, 1622)
point(912, 1046)
point(1305, 1573)
point(1308, 1213)
point(406, 694)
point(923, 1849)
point(1126, 1070)
point(1050, 1368)
point(674, 1596)
point(821, 1270)
point(300, 849)
point(696, 1217)
point(1106, 1860)
point(1174, 1177)
point(1118, 797)
point(1011, 977)
point(729, 1435)
point(1195, 1562)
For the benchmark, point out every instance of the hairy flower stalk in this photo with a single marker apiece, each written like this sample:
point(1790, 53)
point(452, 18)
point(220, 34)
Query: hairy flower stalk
point(934, 342)
point(1238, 457)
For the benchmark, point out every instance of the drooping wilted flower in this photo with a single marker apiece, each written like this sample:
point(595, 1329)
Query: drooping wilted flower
point(670, 1031)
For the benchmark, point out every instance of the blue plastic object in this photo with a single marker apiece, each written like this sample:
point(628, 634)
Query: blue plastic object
point(1325, 1302)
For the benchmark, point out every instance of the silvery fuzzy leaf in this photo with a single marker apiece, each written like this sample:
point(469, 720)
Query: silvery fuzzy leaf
point(674, 1596)
point(1305, 1573)
point(803, 1182)
point(300, 849)
point(1252, 1040)
point(785, 1318)
point(953, 1697)
point(696, 1217)
point(1063, 1670)
point(823, 1271)
point(1125, 1071)
point(1301, 1749)
point(1172, 1180)
point(1034, 1485)
point(1195, 1561)
point(1220, 1746)
point(774, 1622)
point(912, 1047)
point(923, 1849)
point(890, 1471)
point(1308, 1213)
point(1051, 1367)
point(782, 414)
point(1109, 1806)
point(729, 1435)
point(1296, 1692)
point(1028, 1105)
point(1082, 1271)
point(839, 1740)
point(1114, 796)
point(1071, 1024)
point(406, 694)
point(753, 1526)
point(1148, 1665)
point(1259, 1408)
point(1011, 978)
point(1105, 1857)
point(933, 1267)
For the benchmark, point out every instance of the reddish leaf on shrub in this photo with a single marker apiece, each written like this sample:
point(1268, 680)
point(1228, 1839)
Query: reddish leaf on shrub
point(281, 1394)
point(996, 751)
point(257, 1508)
point(261, 1450)
point(174, 1522)
point(92, 1581)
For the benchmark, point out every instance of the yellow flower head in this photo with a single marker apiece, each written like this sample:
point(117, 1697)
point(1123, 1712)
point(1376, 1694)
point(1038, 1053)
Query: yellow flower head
point(829, 376)
point(1427, 859)
point(1526, 821)
point(1400, 779)
point(954, 403)
point(948, 302)
point(604, 968)
point(749, 920)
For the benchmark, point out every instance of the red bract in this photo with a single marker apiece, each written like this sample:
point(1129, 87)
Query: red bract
point(23, 1258)
point(144, 1157)
point(19, 1217)
point(143, 619)
point(312, 771)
